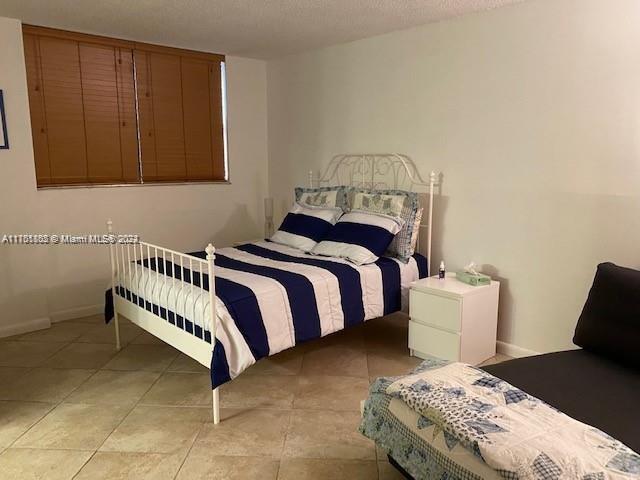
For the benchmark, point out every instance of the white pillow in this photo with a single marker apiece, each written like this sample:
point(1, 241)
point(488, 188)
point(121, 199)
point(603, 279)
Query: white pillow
point(359, 236)
point(305, 226)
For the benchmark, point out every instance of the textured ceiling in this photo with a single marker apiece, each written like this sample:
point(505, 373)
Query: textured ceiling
point(252, 28)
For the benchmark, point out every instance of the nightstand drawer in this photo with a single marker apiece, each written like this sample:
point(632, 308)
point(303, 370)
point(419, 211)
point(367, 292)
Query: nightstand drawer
point(434, 310)
point(431, 341)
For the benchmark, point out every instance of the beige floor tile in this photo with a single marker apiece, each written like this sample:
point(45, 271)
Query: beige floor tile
point(150, 429)
point(26, 354)
point(107, 334)
point(330, 393)
point(394, 342)
point(9, 374)
point(145, 338)
point(257, 432)
point(45, 384)
point(178, 388)
point(58, 332)
point(386, 363)
point(155, 358)
point(17, 417)
point(381, 454)
point(82, 355)
point(201, 464)
point(314, 469)
point(336, 360)
point(74, 426)
point(94, 319)
point(288, 362)
point(26, 464)
point(499, 358)
point(327, 434)
point(261, 391)
point(109, 387)
point(387, 333)
point(349, 338)
point(391, 321)
point(11, 338)
point(133, 466)
point(183, 363)
point(386, 471)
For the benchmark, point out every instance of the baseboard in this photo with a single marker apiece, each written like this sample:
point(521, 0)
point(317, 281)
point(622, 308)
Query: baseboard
point(514, 351)
point(25, 327)
point(77, 312)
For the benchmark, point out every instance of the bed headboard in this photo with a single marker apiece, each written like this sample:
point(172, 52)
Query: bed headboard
point(383, 171)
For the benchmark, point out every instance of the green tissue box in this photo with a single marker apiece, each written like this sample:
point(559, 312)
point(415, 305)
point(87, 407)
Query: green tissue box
point(475, 280)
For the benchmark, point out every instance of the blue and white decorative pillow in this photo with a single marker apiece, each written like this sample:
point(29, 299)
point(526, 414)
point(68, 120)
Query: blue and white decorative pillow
point(305, 226)
point(326, 197)
point(359, 236)
point(397, 203)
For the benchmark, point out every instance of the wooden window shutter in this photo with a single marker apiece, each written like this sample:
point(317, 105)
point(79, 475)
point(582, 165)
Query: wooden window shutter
point(82, 103)
point(109, 111)
point(166, 92)
point(204, 135)
point(217, 121)
point(36, 106)
point(180, 108)
point(145, 116)
point(128, 117)
point(196, 100)
point(63, 109)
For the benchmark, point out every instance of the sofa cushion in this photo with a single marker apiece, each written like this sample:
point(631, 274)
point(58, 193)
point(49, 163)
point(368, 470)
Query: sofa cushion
point(610, 321)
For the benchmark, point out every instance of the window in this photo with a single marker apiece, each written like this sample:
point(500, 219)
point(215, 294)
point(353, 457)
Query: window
point(108, 111)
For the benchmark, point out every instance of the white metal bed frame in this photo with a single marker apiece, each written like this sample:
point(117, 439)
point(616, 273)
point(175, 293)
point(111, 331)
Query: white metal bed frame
point(374, 171)
point(382, 171)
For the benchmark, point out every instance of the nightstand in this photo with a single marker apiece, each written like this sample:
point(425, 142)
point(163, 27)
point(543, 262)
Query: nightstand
point(453, 320)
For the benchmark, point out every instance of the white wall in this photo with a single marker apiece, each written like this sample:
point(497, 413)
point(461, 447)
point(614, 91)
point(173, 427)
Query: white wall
point(532, 112)
point(42, 282)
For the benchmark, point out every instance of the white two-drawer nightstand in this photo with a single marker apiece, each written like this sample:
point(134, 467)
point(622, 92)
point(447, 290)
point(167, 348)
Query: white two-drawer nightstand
point(453, 320)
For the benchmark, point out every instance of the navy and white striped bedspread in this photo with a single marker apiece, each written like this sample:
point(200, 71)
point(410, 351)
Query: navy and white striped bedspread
point(271, 297)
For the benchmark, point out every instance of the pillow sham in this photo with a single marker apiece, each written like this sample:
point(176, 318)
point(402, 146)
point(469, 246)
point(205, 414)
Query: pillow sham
point(610, 321)
point(395, 203)
point(397, 248)
point(359, 236)
point(326, 197)
point(305, 226)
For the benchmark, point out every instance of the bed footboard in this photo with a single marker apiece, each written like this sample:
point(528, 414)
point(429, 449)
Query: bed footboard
point(142, 273)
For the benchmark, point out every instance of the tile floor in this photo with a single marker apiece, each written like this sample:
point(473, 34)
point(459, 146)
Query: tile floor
point(73, 407)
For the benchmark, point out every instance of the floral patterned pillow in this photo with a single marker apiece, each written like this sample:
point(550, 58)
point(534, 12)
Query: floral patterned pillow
point(398, 203)
point(326, 197)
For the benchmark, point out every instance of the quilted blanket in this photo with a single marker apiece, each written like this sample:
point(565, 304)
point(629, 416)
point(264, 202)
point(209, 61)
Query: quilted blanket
point(519, 436)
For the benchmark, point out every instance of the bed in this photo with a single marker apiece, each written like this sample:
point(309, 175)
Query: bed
point(598, 386)
point(229, 307)
point(579, 383)
point(270, 297)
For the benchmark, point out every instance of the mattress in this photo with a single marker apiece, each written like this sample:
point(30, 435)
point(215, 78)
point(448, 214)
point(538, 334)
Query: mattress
point(420, 450)
point(269, 297)
point(587, 387)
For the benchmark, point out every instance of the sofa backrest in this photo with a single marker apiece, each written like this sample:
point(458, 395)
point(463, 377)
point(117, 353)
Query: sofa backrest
point(610, 321)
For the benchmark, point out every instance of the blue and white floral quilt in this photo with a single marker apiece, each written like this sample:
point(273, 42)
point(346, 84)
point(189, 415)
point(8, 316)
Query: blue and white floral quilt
point(514, 433)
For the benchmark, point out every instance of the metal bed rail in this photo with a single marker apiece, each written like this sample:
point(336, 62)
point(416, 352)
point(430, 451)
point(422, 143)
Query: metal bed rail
point(178, 278)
